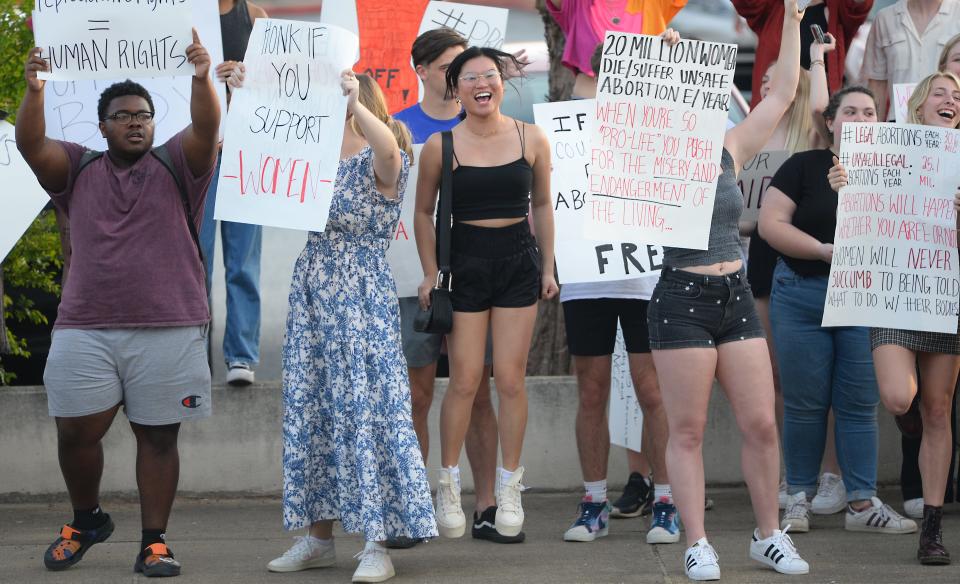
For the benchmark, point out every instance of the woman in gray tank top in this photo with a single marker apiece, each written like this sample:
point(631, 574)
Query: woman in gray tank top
point(703, 325)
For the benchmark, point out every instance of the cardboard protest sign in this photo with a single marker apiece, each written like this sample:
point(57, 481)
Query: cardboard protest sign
point(901, 95)
point(569, 125)
point(23, 197)
point(402, 254)
point(284, 129)
point(895, 250)
point(660, 117)
point(107, 40)
point(625, 419)
point(755, 177)
point(70, 107)
point(482, 26)
point(387, 31)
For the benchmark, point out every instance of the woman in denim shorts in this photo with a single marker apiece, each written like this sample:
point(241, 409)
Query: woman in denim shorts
point(703, 325)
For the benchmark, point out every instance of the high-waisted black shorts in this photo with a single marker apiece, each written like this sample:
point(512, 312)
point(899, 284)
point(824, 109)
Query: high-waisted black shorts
point(494, 267)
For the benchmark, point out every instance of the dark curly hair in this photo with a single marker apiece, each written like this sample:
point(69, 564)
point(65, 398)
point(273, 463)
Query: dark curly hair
point(499, 59)
point(830, 112)
point(121, 89)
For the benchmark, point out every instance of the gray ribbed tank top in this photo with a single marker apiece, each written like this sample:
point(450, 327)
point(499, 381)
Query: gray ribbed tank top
point(235, 27)
point(724, 242)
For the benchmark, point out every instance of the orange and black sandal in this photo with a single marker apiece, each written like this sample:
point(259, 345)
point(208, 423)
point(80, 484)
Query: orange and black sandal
point(156, 561)
point(69, 547)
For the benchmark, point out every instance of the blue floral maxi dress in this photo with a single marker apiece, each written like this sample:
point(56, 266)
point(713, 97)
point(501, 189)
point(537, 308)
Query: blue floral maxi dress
point(349, 449)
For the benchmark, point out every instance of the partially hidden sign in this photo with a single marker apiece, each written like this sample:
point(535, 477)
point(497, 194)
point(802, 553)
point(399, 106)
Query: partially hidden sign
point(660, 118)
point(754, 178)
point(482, 26)
point(23, 197)
point(402, 253)
point(895, 259)
point(284, 129)
point(901, 96)
point(568, 125)
point(106, 40)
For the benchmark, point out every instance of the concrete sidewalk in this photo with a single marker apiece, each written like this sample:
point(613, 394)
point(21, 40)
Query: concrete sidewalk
point(230, 541)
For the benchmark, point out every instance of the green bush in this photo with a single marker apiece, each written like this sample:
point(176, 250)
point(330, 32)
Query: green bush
point(36, 260)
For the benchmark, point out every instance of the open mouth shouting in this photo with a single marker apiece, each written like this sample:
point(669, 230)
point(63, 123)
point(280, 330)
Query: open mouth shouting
point(949, 114)
point(482, 96)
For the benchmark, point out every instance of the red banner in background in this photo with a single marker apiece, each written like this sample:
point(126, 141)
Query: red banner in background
point(387, 31)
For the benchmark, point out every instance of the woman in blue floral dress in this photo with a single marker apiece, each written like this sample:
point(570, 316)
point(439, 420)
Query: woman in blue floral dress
point(349, 449)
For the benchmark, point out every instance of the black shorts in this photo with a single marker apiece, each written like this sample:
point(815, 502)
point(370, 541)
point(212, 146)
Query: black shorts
point(592, 325)
point(494, 267)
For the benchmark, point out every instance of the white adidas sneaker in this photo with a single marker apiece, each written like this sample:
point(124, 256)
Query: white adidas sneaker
point(700, 562)
point(878, 518)
point(778, 552)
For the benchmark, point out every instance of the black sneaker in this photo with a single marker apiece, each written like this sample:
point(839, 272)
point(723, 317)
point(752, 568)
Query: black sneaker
point(484, 527)
point(401, 543)
point(637, 498)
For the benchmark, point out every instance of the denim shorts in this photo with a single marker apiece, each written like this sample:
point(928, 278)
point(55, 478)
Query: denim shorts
point(494, 267)
point(694, 310)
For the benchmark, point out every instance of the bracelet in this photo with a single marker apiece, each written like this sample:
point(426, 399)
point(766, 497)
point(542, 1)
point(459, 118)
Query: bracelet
point(817, 62)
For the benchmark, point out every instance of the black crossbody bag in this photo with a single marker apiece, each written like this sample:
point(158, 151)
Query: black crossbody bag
point(438, 319)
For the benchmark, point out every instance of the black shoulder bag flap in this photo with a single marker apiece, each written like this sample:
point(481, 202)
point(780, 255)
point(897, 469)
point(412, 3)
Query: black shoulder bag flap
point(438, 319)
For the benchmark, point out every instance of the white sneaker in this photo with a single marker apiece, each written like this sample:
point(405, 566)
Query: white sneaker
point(451, 521)
point(375, 564)
point(239, 374)
point(782, 495)
point(914, 508)
point(797, 514)
point(778, 552)
point(509, 508)
point(831, 495)
point(307, 552)
point(878, 518)
point(700, 561)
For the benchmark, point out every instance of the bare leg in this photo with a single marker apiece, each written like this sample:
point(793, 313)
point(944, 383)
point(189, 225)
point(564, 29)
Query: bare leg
point(939, 373)
point(481, 443)
point(512, 332)
point(637, 461)
point(465, 347)
point(592, 429)
point(81, 455)
point(655, 429)
point(322, 529)
point(421, 398)
point(158, 472)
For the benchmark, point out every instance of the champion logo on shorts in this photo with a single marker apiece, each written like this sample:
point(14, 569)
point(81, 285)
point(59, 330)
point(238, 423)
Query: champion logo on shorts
point(191, 401)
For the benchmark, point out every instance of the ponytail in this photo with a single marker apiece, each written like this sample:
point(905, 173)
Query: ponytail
point(402, 134)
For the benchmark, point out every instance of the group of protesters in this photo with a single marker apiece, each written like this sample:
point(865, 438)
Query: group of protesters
point(133, 322)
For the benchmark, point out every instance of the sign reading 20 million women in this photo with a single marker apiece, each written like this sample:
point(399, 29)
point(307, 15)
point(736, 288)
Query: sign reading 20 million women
point(281, 146)
point(661, 114)
point(895, 248)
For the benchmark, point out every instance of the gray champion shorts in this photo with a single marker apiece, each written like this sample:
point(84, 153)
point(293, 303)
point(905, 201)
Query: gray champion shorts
point(159, 374)
point(422, 349)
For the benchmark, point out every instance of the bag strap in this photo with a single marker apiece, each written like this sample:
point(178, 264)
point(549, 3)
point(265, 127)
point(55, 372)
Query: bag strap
point(163, 155)
point(86, 158)
point(444, 211)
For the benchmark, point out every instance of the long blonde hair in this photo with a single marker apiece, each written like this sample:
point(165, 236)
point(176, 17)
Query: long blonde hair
point(372, 98)
point(922, 92)
point(799, 119)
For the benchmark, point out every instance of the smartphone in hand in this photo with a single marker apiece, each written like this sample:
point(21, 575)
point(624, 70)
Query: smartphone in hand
point(817, 33)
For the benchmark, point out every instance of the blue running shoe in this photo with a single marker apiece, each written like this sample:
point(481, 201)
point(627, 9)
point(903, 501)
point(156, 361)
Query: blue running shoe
point(666, 523)
point(592, 522)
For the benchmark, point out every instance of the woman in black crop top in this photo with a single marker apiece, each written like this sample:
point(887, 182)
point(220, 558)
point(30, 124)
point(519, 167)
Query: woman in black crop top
point(501, 168)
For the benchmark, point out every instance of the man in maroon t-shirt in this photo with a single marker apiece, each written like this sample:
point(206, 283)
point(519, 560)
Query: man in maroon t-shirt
point(133, 319)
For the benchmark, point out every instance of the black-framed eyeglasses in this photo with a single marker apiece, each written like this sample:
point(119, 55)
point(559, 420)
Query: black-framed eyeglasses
point(125, 118)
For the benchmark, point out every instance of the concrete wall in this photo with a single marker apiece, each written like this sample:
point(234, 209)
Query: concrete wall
point(238, 450)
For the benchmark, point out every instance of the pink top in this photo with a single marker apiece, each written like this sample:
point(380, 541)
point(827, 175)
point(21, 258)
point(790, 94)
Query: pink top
point(583, 22)
point(134, 263)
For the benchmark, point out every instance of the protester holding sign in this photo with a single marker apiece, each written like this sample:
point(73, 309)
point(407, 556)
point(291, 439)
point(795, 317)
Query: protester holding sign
point(350, 451)
point(133, 320)
point(703, 325)
point(896, 352)
point(822, 369)
point(501, 167)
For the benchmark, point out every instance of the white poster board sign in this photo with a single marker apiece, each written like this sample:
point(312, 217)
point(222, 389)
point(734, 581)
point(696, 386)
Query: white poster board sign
point(625, 419)
point(281, 146)
point(107, 40)
point(901, 95)
point(23, 197)
point(482, 26)
point(755, 177)
point(70, 107)
point(895, 248)
point(568, 125)
point(661, 115)
point(402, 254)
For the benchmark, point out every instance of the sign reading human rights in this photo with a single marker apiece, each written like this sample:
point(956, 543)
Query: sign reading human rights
point(895, 259)
point(109, 40)
point(660, 118)
point(569, 125)
point(284, 129)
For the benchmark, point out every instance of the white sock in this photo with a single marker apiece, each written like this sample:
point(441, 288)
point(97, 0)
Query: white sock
point(505, 475)
point(596, 490)
point(661, 492)
point(320, 542)
point(455, 474)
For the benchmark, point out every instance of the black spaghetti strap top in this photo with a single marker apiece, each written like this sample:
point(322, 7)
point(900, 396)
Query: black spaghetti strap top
point(493, 192)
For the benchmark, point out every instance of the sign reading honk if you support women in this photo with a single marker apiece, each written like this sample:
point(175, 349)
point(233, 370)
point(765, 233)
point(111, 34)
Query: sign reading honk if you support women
point(895, 261)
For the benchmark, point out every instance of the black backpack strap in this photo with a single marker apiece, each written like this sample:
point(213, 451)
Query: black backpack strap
point(163, 155)
point(445, 209)
point(86, 158)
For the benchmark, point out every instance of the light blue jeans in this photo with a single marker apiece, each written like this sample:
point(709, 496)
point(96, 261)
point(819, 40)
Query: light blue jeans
point(823, 368)
point(241, 262)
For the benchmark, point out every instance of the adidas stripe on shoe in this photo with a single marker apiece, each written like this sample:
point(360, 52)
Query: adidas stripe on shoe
point(700, 562)
point(878, 518)
point(778, 552)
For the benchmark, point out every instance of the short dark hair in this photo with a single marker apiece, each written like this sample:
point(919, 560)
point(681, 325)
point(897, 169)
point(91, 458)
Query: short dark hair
point(830, 112)
point(433, 43)
point(498, 58)
point(595, 60)
point(122, 89)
